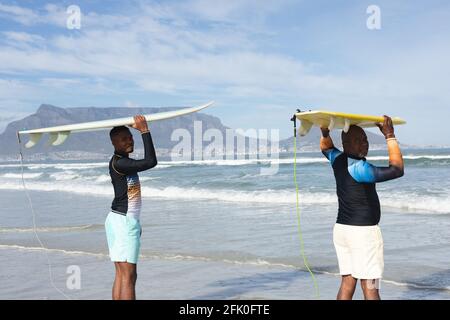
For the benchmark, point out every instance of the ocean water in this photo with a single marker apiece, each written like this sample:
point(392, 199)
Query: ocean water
point(220, 229)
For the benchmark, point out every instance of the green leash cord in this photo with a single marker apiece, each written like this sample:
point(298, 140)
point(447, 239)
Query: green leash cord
point(302, 249)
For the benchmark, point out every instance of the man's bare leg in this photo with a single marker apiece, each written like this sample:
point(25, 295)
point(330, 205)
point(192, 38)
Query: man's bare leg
point(370, 289)
point(128, 281)
point(347, 288)
point(117, 283)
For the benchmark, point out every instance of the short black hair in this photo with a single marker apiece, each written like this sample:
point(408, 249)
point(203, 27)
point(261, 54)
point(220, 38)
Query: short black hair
point(347, 137)
point(116, 130)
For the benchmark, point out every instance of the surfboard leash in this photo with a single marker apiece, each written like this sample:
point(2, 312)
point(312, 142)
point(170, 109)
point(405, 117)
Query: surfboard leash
point(34, 220)
point(297, 206)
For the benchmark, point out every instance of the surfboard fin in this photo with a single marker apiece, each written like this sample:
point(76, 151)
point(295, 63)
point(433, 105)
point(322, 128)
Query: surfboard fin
point(346, 125)
point(332, 123)
point(57, 138)
point(34, 139)
point(305, 127)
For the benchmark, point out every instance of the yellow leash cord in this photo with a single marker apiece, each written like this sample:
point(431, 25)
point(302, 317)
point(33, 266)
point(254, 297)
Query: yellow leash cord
point(302, 249)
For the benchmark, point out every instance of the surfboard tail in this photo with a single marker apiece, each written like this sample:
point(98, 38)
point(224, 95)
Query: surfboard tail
point(34, 139)
point(304, 127)
point(58, 138)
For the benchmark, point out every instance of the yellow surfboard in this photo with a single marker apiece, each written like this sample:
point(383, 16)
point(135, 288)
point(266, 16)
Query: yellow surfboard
point(338, 120)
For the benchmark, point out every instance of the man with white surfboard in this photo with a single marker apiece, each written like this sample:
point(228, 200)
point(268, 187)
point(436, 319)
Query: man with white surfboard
point(357, 237)
point(123, 228)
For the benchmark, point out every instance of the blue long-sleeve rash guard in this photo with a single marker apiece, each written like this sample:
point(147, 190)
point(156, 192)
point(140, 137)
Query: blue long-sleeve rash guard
point(355, 187)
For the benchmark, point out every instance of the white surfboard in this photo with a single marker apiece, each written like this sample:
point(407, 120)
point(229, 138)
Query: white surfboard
point(59, 134)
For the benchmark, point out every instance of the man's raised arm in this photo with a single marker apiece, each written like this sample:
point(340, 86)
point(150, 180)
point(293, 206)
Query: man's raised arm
point(396, 165)
point(325, 140)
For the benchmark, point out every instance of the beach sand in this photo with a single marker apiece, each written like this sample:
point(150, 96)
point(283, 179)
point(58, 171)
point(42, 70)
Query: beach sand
point(171, 279)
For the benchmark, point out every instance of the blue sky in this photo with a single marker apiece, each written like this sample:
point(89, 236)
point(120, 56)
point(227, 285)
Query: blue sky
point(259, 60)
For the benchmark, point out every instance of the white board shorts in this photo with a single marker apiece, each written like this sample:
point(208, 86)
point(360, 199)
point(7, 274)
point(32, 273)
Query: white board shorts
point(359, 251)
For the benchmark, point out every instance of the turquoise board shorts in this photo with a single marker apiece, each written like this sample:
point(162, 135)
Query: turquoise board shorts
point(123, 234)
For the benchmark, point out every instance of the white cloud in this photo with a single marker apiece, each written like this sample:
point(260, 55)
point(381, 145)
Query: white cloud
point(217, 49)
point(232, 11)
point(13, 89)
point(61, 82)
point(23, 37)
point(158, 55)
point(131, 104)
point(7, 115)
point(22, 15)
point(51, 14)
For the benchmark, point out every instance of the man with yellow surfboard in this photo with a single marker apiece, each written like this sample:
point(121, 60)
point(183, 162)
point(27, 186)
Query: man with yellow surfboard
point(357, 237)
